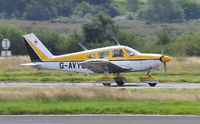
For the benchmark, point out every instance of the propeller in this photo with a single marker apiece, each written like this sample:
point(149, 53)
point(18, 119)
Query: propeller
point(164, 59)
point(164, 63)
point(165, 67)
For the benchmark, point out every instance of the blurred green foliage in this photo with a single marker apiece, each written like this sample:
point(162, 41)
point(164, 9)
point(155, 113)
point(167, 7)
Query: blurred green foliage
point(15, 36)
point(99, 32)
point(162, 11)
point(148, 10)
point(49, 9)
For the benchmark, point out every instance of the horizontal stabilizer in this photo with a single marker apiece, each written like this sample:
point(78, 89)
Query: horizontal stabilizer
point(30, 64)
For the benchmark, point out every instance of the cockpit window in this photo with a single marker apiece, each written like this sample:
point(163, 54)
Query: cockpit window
point(117, 53)
point(131, 52)
point(104, 54)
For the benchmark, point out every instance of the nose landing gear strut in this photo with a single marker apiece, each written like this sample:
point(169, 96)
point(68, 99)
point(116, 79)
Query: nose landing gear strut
point(152, 81)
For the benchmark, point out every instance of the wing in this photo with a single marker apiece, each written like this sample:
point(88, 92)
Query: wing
point(100, 66)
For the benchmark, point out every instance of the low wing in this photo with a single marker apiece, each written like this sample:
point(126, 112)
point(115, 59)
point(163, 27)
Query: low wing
point(100, 66)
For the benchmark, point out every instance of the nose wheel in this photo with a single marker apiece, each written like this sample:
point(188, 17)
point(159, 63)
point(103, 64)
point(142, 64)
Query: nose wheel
point(107, 84)
point(150, 80)
point(152, 84)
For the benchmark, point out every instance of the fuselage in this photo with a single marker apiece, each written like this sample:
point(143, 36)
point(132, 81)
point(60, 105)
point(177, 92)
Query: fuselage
point(119, 55)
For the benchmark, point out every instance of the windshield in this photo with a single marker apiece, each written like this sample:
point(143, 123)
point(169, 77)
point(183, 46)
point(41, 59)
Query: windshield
point(131, 51)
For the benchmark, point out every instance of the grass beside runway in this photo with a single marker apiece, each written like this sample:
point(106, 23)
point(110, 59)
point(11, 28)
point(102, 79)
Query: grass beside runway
point(98, 100)
point(179, 70)
point(58, 76)
point(100, 107)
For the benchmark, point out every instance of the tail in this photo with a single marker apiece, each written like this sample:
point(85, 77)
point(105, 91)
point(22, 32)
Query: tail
point(37, 51)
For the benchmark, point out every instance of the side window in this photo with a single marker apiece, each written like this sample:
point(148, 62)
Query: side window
point(92, 56)
point(117, 53)
point(104, 54)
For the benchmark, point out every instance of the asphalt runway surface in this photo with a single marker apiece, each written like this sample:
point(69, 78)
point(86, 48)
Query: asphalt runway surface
point(99, 119)
point(127, 85)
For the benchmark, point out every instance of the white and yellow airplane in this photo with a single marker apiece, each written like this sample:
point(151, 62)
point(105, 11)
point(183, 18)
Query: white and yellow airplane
point(113, 59)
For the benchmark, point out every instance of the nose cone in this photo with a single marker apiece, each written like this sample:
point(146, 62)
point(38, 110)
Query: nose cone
point(165, 59)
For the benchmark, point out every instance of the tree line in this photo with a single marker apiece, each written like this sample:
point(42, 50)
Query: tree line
point(150, 10)
point(49, 9)
point(170, 10)
point(99, 32)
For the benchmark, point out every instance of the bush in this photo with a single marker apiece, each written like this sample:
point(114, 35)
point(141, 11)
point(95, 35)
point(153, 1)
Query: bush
point(162, 11)
point(191, 9)
point(68, 44)
point(14, 34)
point(100, 28)
point(130, 40)
point(188, 44)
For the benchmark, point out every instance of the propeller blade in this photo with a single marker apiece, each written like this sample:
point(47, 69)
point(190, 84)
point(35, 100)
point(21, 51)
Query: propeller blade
point(162, 51)
point(165, 67)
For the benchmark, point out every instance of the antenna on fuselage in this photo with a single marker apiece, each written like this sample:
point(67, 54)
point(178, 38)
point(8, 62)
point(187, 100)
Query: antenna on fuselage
point(116, 40)
point(82, 46)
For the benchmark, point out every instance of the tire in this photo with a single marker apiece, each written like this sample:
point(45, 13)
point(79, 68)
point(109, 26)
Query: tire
point(119, 82)
point(107, 84)
point(152, 84)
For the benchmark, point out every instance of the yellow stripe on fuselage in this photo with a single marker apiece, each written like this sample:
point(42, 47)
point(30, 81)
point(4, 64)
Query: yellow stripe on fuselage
point(145, 56)
point(82, 56)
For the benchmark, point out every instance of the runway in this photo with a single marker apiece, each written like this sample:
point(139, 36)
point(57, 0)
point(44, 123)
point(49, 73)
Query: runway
point(99, 119)
point(127, 85)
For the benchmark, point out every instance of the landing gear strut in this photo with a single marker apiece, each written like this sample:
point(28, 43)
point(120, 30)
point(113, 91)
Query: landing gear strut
point(152, 81)
point(120, 80)
point(107, 81)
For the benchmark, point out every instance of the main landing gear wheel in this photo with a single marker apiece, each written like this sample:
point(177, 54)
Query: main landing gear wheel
point(152, 84)
point(107, 84)
point(107, 81)
point(119, 82)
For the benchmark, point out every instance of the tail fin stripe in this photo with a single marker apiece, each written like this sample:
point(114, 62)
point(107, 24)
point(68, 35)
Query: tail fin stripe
point(38, 52)
point(34, 57)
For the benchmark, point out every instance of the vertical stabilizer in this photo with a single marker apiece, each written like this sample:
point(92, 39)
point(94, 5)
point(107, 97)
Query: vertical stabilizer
point(36, 49)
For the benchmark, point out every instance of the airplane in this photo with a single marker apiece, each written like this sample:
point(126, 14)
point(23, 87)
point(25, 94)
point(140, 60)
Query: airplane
point(107, 60)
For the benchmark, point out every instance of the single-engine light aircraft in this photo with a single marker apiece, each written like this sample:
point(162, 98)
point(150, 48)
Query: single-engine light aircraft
point(113, 59)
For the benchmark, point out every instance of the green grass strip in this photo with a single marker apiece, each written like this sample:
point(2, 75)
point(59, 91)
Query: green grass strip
point(100, 107)
point(57, 76)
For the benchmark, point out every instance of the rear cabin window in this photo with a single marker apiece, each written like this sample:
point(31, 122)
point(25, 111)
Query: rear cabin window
point(117, 53)
point(91, 56)
point(104, 54)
